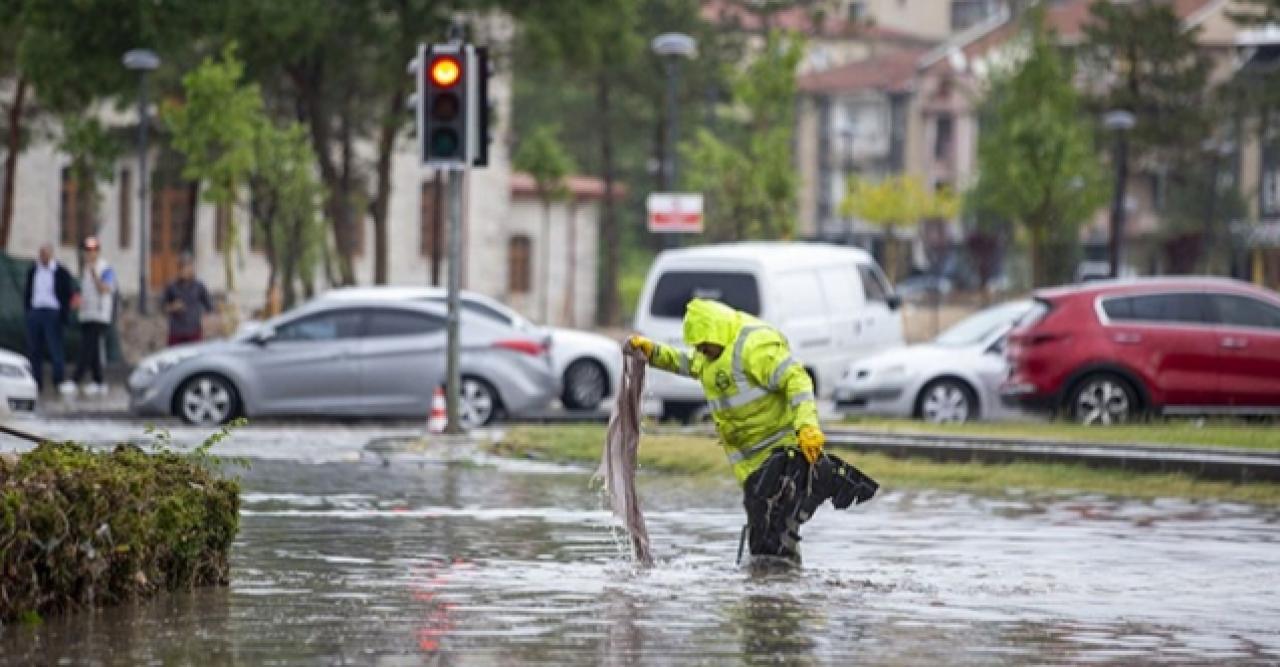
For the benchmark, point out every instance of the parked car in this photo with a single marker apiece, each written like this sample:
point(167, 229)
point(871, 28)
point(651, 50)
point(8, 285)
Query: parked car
point(354, 357)
point(1107, 352)
point(832, 303)
point(588, 365)
point(17, 385)
point(954, 378)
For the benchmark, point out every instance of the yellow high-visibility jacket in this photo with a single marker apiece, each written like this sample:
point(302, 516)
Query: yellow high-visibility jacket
point(759, 395)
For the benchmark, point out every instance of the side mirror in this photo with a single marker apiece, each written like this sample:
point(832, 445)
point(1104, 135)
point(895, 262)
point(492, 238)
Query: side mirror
point(262, 336)
point(894, 301)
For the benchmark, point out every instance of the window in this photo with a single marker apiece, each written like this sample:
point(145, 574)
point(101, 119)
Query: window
point(1242, 311)
point(79, 210)
point(873, 284)
point(402, 323)
point(942, 137)
point(676, 289)
point(1185, 308)
point(333, 325)
point(518, 269)
point(125, 210)
point(431, 220)
point(857, 11)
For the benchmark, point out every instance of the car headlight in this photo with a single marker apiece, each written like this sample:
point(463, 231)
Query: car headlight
point(13, 371)
point(159, 363)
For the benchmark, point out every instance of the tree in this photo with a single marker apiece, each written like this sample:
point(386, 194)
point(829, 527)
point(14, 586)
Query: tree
point(541, 156)
point(214, 128)
point(746, 171)
point(1037, 166)
point(893, 202)
point(1152, 66)
point(284, 201)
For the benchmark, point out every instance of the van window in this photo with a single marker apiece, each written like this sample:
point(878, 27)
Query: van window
point(676, 289)
point(873, 284)
point(800, 295)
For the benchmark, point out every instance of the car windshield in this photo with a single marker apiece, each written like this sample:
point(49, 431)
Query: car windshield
point(977, 328)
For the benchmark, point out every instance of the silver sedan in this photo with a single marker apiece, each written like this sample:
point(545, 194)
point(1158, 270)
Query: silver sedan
point(351, 358)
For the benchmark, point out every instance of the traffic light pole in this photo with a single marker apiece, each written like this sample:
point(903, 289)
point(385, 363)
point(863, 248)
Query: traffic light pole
point(453, 384)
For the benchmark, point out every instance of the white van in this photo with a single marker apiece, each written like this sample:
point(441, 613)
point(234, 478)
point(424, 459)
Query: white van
point(831, 302)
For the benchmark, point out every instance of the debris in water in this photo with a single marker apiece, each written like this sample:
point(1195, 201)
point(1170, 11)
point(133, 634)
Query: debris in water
point(618, 464)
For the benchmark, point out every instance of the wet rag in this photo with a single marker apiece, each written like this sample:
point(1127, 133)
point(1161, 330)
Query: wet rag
point(622, 442)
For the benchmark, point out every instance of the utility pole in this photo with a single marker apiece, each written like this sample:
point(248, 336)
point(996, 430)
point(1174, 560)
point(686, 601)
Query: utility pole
point(1119, 122)
point(142, 61)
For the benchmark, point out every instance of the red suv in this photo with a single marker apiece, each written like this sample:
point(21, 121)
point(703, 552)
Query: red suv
point(1108, 352)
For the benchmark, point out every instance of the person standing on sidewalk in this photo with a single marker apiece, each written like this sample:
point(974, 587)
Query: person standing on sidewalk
point(97, 306)
point(47, 301)
point(186, 301)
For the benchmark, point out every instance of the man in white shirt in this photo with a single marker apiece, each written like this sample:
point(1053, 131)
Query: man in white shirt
point(47, 302)
point(97, 306)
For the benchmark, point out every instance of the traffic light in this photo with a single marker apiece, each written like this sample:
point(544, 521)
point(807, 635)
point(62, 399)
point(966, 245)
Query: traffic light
point(452, 104)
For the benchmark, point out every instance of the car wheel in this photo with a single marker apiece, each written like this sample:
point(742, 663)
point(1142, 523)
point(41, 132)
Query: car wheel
point(585, 385)
point(1103, 399)
point(207, 400)
point(479, 403)
point(947, 401)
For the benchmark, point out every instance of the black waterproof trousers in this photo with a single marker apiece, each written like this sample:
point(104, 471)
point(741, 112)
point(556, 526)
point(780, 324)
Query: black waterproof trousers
point(785, 492)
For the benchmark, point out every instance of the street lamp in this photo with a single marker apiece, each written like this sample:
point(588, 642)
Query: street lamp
point(1119, 122)
point(672, 46)
point(142, 61)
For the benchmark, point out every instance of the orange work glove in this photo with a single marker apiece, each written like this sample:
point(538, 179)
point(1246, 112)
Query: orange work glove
point(643, 344)
point(811, 441)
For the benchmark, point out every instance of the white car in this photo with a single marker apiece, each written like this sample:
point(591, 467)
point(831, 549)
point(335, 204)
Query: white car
point(954, 378)
point(17, 385)
point(588, 365)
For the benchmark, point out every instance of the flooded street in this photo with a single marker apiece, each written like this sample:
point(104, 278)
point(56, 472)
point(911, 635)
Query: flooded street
point(342, 560)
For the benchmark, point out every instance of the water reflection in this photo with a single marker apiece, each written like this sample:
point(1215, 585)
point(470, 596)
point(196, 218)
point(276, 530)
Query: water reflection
point(463, 564)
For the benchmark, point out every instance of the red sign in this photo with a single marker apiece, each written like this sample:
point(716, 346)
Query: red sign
point(675, 212)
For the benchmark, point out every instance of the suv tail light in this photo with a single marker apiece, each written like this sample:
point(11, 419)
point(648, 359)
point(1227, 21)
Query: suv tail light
point(532, 348)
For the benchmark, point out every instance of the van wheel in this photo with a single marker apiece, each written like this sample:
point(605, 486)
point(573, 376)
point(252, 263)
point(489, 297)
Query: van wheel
point(1103, 399)
point(947, 401)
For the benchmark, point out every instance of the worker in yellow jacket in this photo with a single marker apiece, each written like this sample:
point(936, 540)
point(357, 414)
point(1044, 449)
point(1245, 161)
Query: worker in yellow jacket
point(761, 398)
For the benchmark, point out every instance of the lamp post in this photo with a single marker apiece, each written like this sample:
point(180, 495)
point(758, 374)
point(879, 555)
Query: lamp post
point(672, 46)
point(142, 61)
point(1119, 122)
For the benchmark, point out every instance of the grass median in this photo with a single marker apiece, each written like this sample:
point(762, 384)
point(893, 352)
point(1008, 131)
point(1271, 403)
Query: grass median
point(697, 455)
point(1217, 433)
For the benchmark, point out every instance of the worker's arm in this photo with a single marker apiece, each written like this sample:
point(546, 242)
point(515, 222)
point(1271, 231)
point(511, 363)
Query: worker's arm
point(665, 357)
point(773, 367)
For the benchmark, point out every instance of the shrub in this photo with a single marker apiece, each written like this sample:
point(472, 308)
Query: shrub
point(81, 527)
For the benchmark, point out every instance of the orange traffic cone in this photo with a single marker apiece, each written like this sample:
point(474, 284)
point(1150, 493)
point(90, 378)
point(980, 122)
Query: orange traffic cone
point(437, 420)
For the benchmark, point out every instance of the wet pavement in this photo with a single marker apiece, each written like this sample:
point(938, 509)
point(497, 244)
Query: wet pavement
point(344, 560)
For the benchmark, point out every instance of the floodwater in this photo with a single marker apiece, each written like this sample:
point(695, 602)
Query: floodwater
point(342, 560)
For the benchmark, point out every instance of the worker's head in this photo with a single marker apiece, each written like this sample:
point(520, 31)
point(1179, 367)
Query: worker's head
point(710, 350)
point(90, 247)
point(46, 254)
point(709, 327)
point(186, 266)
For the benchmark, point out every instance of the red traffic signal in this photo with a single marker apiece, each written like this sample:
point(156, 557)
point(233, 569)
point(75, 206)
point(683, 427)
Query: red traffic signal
point(445, 71)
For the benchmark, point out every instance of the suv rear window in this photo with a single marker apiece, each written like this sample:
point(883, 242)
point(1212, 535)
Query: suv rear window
point(1190, 308)
point(1241, 311)
point(676, 288)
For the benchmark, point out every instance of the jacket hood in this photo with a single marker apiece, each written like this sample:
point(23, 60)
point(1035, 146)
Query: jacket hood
point(707, 321)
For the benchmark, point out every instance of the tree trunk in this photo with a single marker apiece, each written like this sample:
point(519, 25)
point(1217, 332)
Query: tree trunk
point(350, 235)
point(609, 228)
point(544, 291)
point(382, 198)
point(569, 316)
point(309, 81)
point(13, 145)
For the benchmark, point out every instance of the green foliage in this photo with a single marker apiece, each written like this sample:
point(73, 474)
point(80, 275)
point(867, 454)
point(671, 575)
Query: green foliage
point(285, 198)
point(81, 527)
point(1148, 63)
point(1037, 166)
point(542, 156)
point(746, 171)
point(894, 201)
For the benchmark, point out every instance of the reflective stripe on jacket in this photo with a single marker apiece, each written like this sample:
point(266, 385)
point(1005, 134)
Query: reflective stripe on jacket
point(759, 395)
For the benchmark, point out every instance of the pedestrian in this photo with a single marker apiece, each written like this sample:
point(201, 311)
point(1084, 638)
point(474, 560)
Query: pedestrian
point(186, 301)
point(763, 404)
point(97, 306)
point(47, 299)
